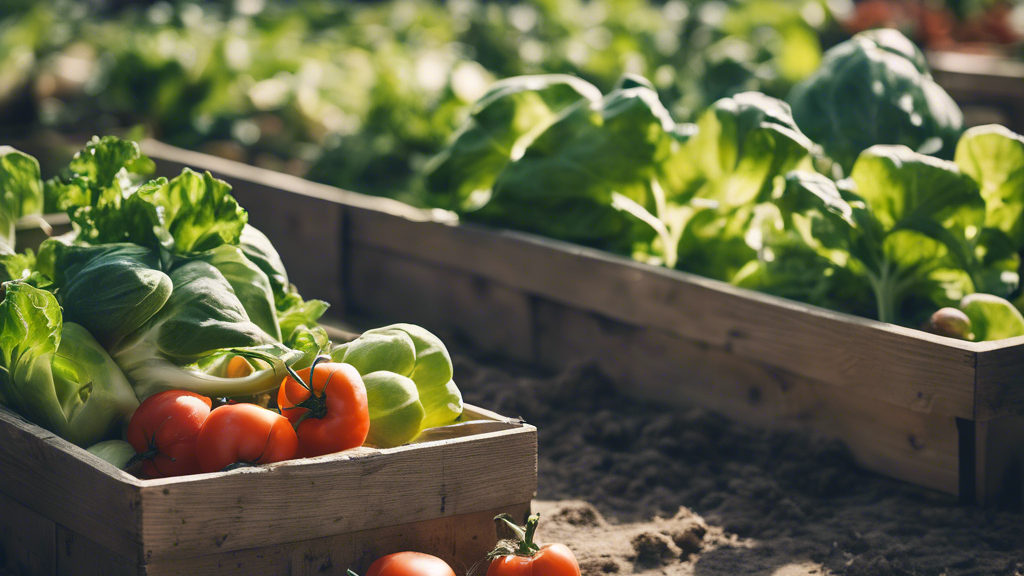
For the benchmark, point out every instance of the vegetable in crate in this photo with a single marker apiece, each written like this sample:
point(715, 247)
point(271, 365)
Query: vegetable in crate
point(244, 434)
point(164, 431)
point(327, 405)
point(55, 373)
point(411, 352)
point(117, 453)
point(876, 89)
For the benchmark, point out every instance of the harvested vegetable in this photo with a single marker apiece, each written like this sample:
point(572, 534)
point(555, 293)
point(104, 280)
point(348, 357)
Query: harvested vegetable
point(408, 564)
point(164, 431)
point(55, 372)
point(117, 453)
point(521, 556)
point(410, 351)
point(396, 413)
point(244, 434)
point(327, 405)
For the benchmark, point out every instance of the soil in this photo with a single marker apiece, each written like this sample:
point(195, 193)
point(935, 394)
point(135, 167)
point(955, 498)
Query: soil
point(635, 487)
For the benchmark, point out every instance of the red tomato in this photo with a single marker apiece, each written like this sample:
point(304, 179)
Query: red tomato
point(244, 433)
point(553, 560)
point(529, 559)
point(163, 432)
point(335, 417)
point(410, 564)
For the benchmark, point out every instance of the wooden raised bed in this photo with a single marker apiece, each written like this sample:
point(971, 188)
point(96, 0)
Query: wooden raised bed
point(938, 412)
point(65, 511)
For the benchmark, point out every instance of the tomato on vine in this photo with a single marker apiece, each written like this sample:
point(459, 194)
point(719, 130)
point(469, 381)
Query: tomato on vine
point(326, 404)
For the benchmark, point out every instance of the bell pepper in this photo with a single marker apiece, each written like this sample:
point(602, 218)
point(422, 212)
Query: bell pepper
point(412, 352)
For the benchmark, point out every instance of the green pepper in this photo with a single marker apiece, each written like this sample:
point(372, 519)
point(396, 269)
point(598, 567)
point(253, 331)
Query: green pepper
point(413, 352)
point(396, 414)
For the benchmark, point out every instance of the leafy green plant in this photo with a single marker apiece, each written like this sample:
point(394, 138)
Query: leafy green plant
point(875, 89)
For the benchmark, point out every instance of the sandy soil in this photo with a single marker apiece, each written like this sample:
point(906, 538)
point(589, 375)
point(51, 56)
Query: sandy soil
point(634, 487)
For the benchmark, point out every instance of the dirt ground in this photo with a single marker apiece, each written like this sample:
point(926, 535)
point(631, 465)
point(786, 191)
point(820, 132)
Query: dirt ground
point(634, 487)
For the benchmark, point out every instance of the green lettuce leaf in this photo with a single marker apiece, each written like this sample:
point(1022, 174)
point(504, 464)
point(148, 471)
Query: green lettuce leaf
point(509, 115)
point(112, 289)
point(55, 373)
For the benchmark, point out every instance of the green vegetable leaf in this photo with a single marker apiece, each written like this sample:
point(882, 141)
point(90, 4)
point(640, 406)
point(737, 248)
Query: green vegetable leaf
point(258, 249)
point(505, 119)
point(111, 289)
point(249, 283)
point(992, 318)
point(875, 89)
point(562, 185)
point(55, 373)
point(994, 157)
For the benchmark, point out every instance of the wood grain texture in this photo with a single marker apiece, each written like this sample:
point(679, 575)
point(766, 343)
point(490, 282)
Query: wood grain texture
point(467, 312)
point(80, 556)
point(459, 540)
point(914, 446)
point(999, 460)
point(68, 485)
point(897, 365)
point(999, 385)
point(26, 541)
point(356, 490)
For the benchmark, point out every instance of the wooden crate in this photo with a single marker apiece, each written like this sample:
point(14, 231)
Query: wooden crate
point(65, 511)
point(937, 412)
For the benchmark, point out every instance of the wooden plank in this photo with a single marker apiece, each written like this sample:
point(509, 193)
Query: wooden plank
point(1000, 462)
point(68, 485)
point(909, 368)
point(306, 230)
point(914, 446)
point(220, 512)
point(459, 540)
point(998, 389)
point(464, 310)
point(80, 556)
point(26, 540)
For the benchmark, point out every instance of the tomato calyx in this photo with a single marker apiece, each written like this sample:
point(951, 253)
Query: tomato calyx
point(152, 451)
point(522, 543)
point(316, 406)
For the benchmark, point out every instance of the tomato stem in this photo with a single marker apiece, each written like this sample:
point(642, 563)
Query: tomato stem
point(523, 542)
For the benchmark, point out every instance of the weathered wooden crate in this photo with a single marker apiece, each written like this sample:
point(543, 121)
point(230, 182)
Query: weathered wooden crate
point(934, 411)
point(65, 511)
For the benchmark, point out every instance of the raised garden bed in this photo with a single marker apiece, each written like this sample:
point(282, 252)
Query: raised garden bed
point(65, 511)
point(937, 412)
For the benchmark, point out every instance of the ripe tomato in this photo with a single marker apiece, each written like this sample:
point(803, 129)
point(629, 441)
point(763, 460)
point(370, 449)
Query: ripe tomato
point(410, 564)
point(552, 560)
point(163, 432)
point(529, 559)
point(244, 433)
point(335, 416)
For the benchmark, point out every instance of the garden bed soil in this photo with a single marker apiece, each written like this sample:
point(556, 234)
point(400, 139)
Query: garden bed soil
point(637, 487)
